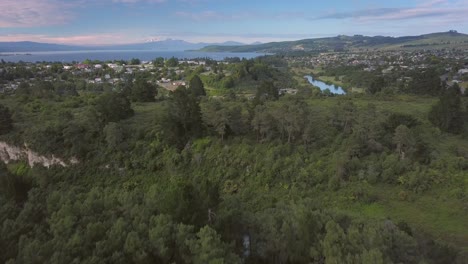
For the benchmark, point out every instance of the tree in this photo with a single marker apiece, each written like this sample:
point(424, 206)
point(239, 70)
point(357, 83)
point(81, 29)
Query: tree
point(24, 89)
point(208, 248)
point(172, 62)
point(113, 107)
point(43, 89)
point(426, 82)
point(332, 243)
point(6, 123)
point(66, 89)
point(114, 135)
point(376, 85)
point(267, 91)
point(228, 82)
point(216, 116)
point(263, 123)
point(135, 61)
point(404, 140)
point(158, 62)
point(196, 86)
point(184, 118)
point(143, 91)
point(447, 114)
point(344, 116)
point(293, 116)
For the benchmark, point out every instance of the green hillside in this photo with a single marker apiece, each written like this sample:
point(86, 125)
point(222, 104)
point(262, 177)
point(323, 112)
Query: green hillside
point(449, 39)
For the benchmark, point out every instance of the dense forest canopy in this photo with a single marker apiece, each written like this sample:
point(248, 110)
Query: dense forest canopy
point(226, 169)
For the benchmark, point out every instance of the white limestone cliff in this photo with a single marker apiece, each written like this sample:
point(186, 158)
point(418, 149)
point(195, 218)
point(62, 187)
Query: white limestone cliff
point(9, 153)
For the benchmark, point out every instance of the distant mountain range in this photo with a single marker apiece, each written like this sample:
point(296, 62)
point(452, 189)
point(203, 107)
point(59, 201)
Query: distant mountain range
point(450, 39)
point(169, 44)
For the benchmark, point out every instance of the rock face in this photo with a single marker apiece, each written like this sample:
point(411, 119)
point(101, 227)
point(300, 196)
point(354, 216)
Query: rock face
point(9, 153)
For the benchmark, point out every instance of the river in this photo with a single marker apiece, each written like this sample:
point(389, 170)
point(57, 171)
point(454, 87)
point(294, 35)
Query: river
point(323, 86)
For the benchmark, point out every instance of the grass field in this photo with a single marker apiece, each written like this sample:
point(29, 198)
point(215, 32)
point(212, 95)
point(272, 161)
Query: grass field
point(432, 213)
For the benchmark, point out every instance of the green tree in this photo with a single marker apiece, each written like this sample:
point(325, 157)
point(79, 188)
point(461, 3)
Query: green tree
point(376, 85)
point(135, 61)
point(24, 89)
point(172, 62)
point(448, 114)
point(6, 122)
point(266, 91)
point(184, 119)
point(404, 141)
point(208, 248)
point(114, 135)
point(113, 107)
point(143, 91)
point(263, 122)
point(216, 116)
point(426, 82)
point(158, 62)
point(196, 86)
point(333, 242)
point(228, 82)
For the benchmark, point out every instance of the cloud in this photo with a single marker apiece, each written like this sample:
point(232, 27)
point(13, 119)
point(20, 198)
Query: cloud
point(205, 15)
point(436, 9)
point(33, 13)
point(397, 14)
point(138, 1)
point(197, 37)
point(91, 39)
point(211, 15)
point(361, 13)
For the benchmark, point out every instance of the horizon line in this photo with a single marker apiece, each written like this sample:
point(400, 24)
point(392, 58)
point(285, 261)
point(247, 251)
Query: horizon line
point(228, 40)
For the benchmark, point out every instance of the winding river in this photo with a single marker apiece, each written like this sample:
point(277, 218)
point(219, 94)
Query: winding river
point(323, 86)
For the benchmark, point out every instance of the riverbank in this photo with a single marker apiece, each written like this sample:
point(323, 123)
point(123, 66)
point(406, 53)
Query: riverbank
point(329, 80)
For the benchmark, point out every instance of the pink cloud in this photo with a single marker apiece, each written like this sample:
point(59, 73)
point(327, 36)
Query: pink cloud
point(138, 1)
point(210, 15)
point(95, 39)
point(33, 13)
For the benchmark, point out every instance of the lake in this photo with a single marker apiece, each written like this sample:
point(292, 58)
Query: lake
point(110, 55)
point(323, 86)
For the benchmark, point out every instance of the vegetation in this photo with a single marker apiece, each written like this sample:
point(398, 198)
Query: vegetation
point(251, 176)
point(6, 123)
point(357, 42)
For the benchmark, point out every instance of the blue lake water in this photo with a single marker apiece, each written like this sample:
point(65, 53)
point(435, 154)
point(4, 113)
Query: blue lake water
point(106, 55)
point(323, 86)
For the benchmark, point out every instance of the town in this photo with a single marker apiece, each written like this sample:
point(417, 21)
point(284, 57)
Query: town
point(352, 70)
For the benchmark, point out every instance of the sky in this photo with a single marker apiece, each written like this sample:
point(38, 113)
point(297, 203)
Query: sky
point(103, 22)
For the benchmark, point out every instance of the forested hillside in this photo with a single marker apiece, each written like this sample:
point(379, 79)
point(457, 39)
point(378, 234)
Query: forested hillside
point(246, 176)
point(341, 43)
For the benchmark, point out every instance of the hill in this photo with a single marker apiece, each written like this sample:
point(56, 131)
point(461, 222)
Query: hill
point(26, 46)
point(451, 39)
point(168, 44)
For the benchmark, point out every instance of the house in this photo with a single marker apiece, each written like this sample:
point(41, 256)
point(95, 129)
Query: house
point(463, 71)
point(288, 91)
point(82, 66)
point(178, 83)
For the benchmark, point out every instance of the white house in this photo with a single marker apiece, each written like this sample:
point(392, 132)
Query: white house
point(463, 71)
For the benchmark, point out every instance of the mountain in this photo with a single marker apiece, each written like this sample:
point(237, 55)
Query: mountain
point(451, 39)
point(168, 44)
point(26, 46)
